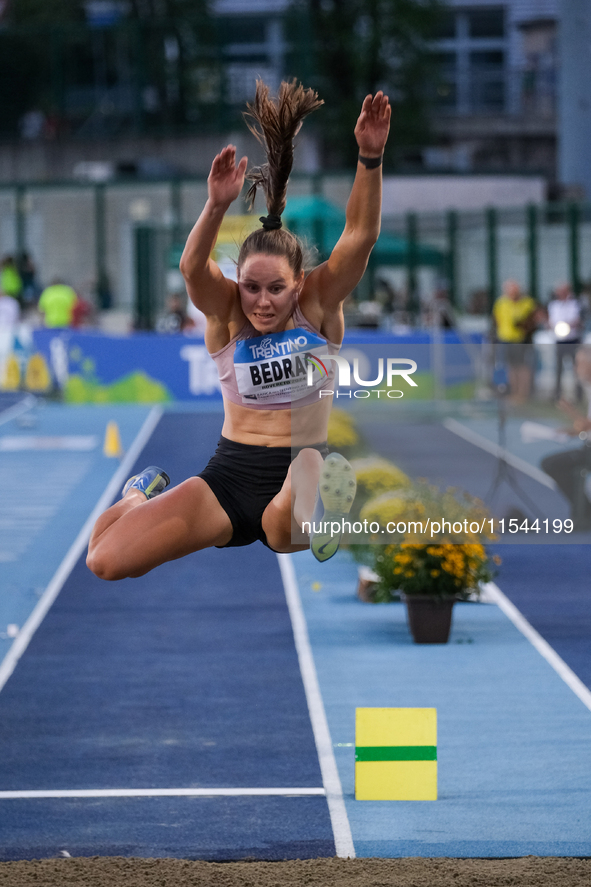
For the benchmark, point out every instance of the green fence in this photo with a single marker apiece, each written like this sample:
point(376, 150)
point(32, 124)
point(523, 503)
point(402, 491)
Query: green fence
point(84, 233)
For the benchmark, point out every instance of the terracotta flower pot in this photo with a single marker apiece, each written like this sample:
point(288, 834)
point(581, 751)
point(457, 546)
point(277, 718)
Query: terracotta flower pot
point(429, 617)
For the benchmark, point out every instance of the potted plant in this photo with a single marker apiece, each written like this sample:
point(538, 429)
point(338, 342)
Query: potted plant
point(430, 576)
point(430, 579)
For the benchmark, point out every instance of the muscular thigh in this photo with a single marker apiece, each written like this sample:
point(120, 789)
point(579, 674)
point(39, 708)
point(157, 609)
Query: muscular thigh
point(184, 519)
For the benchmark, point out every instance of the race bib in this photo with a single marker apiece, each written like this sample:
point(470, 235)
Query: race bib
point(274, 368)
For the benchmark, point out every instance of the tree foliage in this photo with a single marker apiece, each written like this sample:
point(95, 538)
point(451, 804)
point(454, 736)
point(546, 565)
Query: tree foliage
point(360, 46)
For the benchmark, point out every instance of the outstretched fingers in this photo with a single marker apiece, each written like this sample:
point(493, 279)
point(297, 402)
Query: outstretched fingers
point(226, 177)
point(378, 105)
point(373, 124)
point(225, 161)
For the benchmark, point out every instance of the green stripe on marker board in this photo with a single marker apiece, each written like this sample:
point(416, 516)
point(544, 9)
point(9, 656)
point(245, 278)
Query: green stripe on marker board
point(396, 753)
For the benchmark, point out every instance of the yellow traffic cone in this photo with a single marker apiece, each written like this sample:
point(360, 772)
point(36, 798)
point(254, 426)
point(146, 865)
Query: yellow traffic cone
point(112, 446)
point(11, 377)
point(37, 375)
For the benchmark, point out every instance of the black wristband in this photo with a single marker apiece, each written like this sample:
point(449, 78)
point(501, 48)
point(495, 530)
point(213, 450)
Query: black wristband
point(371, 162)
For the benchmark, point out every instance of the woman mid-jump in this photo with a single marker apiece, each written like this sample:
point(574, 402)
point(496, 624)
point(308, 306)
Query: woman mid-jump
point(263, 332)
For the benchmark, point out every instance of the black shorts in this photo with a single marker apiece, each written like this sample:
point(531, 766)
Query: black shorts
point(244, 479)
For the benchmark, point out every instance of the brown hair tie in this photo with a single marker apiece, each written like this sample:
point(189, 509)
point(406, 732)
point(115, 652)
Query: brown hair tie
point(271, 222)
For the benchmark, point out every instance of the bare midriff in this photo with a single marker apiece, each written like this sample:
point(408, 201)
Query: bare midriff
point(296, 427)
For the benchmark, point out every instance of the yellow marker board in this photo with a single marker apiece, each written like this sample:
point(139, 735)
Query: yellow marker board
point(396, 754)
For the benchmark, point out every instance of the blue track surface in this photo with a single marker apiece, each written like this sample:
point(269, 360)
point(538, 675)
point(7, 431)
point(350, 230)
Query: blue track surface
point(552, 588)
point(427, 449)
point(187, 677)
point(514, 741)
point(47, 496)
point(549, 583)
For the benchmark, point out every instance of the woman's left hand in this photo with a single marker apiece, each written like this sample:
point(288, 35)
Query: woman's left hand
point(373, 125)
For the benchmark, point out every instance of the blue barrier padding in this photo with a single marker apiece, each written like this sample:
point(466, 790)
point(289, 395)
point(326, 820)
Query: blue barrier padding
point(187, 677)
point(513, 740)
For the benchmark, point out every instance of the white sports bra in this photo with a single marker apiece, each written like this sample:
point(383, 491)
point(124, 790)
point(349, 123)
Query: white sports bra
point(270, 372)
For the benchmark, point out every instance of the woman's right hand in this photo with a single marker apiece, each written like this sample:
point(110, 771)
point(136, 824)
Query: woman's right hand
point(226, 178)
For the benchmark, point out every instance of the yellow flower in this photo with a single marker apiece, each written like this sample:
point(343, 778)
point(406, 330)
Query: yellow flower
point(385, 508)
point(376, 475)
point(341, 429)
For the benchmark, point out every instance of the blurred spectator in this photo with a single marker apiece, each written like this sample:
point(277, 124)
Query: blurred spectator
point(28, 275)
point(82, 313)
point(9, 312)
point(56, 303)
point(515, 317)
point(565, 321)
point(438, 311)
point(10, 280)
point(176, 319)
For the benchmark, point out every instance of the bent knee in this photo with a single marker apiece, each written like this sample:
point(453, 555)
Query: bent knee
point(308, 457)
point(104, 568)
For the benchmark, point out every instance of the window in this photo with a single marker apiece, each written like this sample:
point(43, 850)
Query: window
point(470, 52)
point(486, 23)
point(446, 26)
point(487, 81)
point(246, 29)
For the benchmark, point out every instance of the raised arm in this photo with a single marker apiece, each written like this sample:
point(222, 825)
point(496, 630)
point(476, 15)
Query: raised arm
point(331, 282)
point(208, 289)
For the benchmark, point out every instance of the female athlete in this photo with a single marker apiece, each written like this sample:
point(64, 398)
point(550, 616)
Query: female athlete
point(263, 332)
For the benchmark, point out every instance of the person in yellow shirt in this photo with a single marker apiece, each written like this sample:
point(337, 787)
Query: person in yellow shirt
point(56, 303)
point(514, 317)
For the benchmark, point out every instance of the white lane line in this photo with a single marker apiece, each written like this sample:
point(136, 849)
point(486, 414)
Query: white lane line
point(162, 793)
point(18, 409)
point(17, 443)
point(67, 565)
point(343, 838)
point(495, 595)
point(479, 441)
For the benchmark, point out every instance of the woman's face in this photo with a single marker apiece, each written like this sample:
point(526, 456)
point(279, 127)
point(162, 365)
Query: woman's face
point(268, 291)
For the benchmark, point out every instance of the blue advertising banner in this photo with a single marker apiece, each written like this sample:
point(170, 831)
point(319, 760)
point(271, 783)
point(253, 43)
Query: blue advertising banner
point(90, 367)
